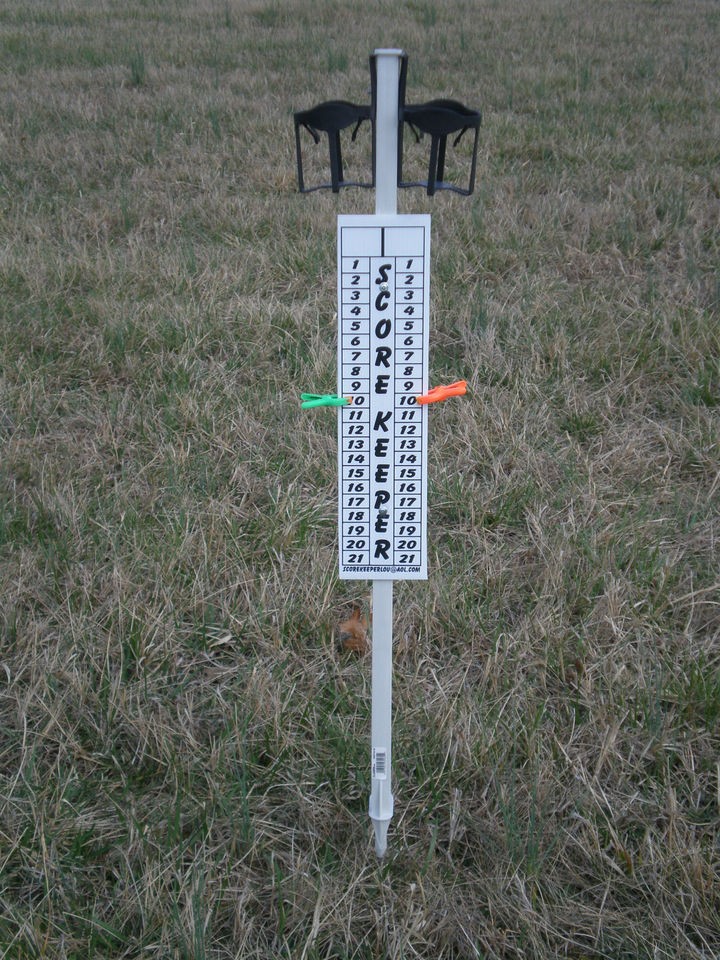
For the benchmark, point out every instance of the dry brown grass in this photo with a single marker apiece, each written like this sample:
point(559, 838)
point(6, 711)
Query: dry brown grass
point(184, 749)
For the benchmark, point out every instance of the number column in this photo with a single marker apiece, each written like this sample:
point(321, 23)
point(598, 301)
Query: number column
point(409, 416)
point(355, 418)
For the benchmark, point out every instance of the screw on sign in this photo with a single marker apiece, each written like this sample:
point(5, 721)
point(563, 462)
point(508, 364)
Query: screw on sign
point(383, 346)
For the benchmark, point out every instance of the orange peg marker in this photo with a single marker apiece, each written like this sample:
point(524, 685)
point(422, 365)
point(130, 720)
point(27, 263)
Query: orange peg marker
point(457, 389)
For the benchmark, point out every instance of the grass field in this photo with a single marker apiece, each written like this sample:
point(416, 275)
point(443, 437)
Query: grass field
point(184, 750)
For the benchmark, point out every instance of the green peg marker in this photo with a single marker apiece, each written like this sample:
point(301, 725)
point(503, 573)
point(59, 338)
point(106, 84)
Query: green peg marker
point(310, 400)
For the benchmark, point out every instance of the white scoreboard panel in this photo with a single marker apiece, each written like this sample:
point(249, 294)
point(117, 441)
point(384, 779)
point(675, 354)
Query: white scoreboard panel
point(383, 319)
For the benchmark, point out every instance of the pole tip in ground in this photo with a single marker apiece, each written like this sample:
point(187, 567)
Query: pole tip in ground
point(381, 829)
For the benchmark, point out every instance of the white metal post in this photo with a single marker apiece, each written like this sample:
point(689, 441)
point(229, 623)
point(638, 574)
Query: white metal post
point(387, 64)
point(381, 798)
point(386, 166)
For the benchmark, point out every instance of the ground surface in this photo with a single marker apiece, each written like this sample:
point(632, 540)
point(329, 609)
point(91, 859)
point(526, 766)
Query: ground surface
point(184, 752)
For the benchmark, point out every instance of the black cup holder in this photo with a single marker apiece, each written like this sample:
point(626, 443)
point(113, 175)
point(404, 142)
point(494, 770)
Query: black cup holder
point(439, 119)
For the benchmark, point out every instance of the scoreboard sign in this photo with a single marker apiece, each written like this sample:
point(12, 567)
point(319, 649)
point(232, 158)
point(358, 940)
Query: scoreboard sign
point(383, 319)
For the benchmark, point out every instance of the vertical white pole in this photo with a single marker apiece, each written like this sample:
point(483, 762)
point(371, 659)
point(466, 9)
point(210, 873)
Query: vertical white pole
point(387, 63)
point(381, 798)
point(386, 165)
